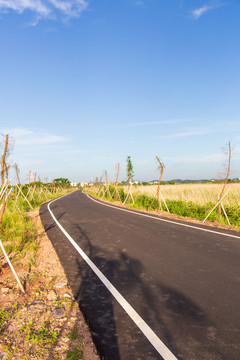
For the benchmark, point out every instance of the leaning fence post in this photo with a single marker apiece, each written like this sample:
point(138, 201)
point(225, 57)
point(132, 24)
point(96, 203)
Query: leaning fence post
point(25, 197)
point(10, 264)
point(219, 202)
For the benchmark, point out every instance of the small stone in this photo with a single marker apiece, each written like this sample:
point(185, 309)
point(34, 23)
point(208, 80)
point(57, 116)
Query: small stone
point(11, 327)
point(61, 285)
point(59, 312)
point(5, 290)
point(67, 295)
point(65, 340)
point(3, 355)
point(37, 302)
point(51, 295)
point(32, 308)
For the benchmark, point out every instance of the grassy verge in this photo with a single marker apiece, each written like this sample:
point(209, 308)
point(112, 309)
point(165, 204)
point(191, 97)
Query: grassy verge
point(17, 230)
point(178, 207)
point(45, 321)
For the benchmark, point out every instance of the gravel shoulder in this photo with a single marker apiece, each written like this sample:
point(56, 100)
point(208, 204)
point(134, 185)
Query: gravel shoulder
point(45, 322)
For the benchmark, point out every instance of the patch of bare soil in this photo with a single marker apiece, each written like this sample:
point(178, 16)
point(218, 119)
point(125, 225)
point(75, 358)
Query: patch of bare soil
point(45, 322)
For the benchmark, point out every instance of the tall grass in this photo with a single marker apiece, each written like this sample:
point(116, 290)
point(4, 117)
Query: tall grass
point(17, 230)
point(188, 200)
point(200, 194)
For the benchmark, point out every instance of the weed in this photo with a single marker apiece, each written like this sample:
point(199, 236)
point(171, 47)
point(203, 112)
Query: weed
point(41, 335)
point(31, 277)
point(53, 278)
point(58, 303)
point(74, 333)
point(8, 344)
point(32, 261)
point(75, 354)
point(6, 315)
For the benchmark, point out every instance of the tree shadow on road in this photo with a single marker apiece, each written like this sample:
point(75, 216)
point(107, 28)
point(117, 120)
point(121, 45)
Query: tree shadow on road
point(162, 307)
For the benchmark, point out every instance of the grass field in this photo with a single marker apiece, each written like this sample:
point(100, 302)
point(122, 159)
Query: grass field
point(199, 194)
point(187, 200)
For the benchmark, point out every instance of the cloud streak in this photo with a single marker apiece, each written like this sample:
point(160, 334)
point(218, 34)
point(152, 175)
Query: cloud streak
point(150, 123)
point(29, 137)
point(197, 13)
point(139, 3)
point(181, 134)
point(202, 159)
point(45, 9)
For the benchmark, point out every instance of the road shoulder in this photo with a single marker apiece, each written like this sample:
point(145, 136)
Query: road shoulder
point(46, 320)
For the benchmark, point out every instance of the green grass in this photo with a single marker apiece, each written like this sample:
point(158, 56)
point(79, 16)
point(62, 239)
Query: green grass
point(177, 207)
point(74, 333)
point(6, 314)
point(17, 231)
point(75, 354)
point(41, 335)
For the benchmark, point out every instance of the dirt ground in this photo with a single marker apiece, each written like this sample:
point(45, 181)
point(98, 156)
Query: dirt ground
point(44, 322)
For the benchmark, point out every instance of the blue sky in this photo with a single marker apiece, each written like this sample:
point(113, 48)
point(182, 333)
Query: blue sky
point(84, 84)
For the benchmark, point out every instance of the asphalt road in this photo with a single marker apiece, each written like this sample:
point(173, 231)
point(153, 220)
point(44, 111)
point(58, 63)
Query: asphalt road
point(184, 282)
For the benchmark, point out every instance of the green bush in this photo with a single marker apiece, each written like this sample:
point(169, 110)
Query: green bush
point(145, 201)
point(121, 194)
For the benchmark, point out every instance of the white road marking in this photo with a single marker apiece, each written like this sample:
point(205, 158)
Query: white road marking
point(142, 325)
point(164, 220)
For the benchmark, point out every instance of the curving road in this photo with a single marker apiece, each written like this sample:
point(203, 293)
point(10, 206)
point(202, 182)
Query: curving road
point(150, 288)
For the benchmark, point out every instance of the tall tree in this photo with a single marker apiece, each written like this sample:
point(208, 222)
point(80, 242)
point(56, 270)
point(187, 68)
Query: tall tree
point(62, 182)
point(130, 172)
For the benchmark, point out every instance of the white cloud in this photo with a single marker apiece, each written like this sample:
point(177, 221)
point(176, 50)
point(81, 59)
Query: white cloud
point(45, 139)
point(141, 162)
point(201, 159)
point(31, 162)
point(236, 150)
point(197, 13)
point(29, 137)
point(71, 151)
point(148, 123)
point(139, 3)
point(182, 134)
point(20, 5)
point(69, 7)
point(45, 8)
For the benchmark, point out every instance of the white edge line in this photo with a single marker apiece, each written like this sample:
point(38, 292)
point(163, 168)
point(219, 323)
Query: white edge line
point(164, 220)
point(142, 325)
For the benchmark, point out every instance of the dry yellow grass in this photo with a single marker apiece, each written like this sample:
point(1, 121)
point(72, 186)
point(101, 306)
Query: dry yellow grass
point(197, 193)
